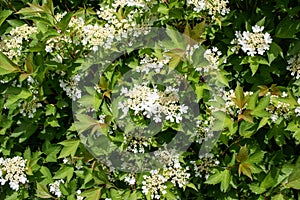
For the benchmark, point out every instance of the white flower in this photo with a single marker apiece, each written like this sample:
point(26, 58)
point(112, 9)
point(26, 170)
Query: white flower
point(130, 179)
point(14, 169)
point(274, 117)
point(214, 8)
point(252, 43)
point(297, 111)
point(294, 66)
point(14, 185)
point(54, 187)
point(48, 49)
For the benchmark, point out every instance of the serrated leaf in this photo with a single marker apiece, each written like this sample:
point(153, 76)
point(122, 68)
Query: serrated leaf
point(245, 169)
point(64, 172)
point(92, 194)
point(69, 149)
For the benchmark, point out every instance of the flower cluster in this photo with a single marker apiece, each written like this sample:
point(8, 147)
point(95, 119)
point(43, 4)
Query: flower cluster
point(214, 8)
point(12, 170)
point(252, 43)
point(54, 187)
point(154, 184)
point(213, 57)
point(297, 109)
point(294, 66)
point(136, 143)
point(172, 171)
point(203, 129)
point(204, 165)
point(152, 103)
point(29, 108)
point(278, 107)
point(130, 179)
point(71, 87)
point(148, 63)
point(12, 44)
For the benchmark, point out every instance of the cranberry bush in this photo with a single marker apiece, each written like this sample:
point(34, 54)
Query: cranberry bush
point(78, 77)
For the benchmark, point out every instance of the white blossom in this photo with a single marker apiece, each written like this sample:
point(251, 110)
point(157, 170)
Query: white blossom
point(214, 8)
point(14, 172)
point(54, 187)
point(294, 66)
point(252, 43)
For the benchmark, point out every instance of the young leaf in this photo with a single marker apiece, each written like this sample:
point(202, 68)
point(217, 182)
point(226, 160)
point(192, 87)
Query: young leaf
point(245, 169)
point(242, 156)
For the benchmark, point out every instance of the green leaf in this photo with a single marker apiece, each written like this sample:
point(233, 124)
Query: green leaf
point(64, 22)
point(15, 94)
point(69, 149)
point(7, 66)
point(256, 157)
point(31, 9)
point(294, 179)
point(274, 51)
point(247, 129)
point(245, 169)
point(239, 96)
point(262, 122)
point(42, 191)
point(278, 197)
point(92, 194)
point(46, 173)
point(287, 28)
point(64, 172)
point(226, 180)
point(261, 22)
point(256, 189)
point(254, 68)
point(270, 180)
point(215, 178)
point(85, 122)
point(4, 14)
point(178, 39)
point(252, 101)
point(191, 185)
point(242, 156)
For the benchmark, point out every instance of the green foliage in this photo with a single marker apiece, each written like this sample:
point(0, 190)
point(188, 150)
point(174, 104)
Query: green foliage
point(248, 98)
